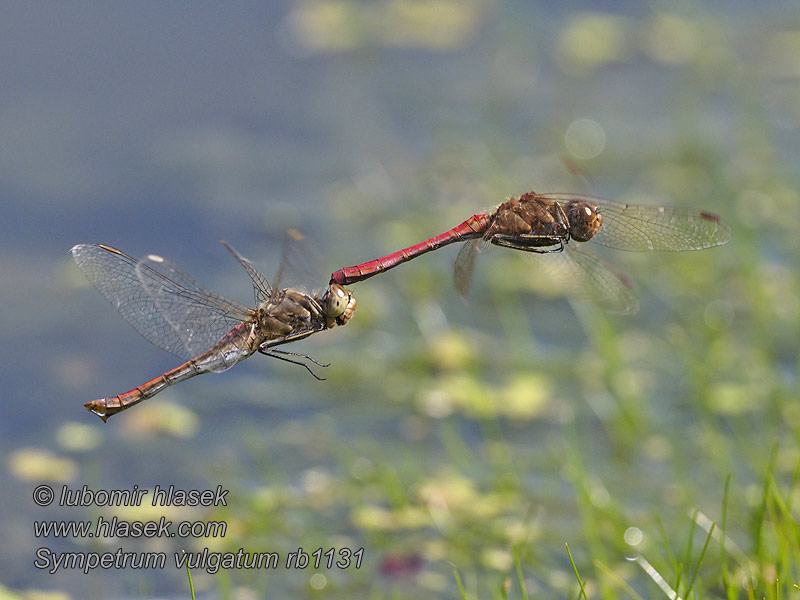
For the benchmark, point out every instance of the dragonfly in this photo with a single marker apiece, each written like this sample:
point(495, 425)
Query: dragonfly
point(547, 223)
point(177, 313)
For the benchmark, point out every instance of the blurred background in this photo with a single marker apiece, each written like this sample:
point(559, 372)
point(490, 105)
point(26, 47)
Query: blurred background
point(461, 444)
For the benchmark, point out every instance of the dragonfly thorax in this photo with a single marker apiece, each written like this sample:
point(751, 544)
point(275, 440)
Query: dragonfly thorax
point(288, 312)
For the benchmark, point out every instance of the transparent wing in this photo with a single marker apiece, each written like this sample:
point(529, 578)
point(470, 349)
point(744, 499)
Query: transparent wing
point(586, 277)
point(168, 307)
point(262, 289)
point(641, 227)
point(579, 274)
point(300, 264)
point(465, 266)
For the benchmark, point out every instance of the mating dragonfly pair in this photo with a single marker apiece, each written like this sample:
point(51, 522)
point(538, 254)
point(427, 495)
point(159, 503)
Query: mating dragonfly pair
point(179, 314)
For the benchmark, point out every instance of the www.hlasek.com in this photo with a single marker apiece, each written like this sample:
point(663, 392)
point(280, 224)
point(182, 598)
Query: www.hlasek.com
point(113, 527)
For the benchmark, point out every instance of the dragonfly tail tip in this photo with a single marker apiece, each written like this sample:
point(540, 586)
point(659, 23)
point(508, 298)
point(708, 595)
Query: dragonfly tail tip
point(96, 407)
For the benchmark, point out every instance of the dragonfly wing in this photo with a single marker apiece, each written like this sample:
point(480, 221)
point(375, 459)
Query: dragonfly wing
point(587, 277)
point(261, 286)
point(300, 263)
point(464, 267)
point(168, 307)
point(198, 315)
point(644, 227)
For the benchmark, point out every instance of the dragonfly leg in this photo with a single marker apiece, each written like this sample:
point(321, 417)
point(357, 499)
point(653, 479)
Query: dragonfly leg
point(304, 356)
point(284, 355)
point(540, 244)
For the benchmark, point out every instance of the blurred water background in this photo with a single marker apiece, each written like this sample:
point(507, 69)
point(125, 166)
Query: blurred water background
point(448, 434)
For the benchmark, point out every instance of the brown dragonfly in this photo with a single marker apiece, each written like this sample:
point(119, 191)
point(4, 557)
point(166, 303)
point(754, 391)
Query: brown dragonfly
point(546, 223)
point(179, 314)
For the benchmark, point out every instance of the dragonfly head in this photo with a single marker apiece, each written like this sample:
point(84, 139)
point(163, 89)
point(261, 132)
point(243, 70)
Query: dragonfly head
point(584, 220)
point(338, 304)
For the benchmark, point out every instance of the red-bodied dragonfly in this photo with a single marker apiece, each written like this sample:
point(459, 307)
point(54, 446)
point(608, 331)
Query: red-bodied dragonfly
point(546, 223)
point(179, 314)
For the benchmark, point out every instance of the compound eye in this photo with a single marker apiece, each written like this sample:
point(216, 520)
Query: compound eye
point(584, 220)
point(335, 301)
